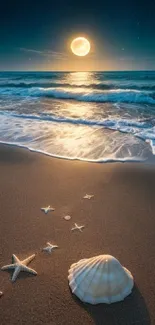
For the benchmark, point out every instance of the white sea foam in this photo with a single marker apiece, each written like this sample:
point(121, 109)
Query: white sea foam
point(123, 125)
point(75, 141)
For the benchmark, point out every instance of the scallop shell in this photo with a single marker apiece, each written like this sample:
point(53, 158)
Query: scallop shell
point(100, 279)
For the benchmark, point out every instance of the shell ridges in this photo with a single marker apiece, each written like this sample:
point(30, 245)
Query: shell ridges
point(100, 279)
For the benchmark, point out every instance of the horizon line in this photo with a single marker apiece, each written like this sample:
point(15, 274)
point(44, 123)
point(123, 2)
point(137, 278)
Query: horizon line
point(63, 71)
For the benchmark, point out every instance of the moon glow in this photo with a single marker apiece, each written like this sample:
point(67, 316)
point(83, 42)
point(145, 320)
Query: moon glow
point(80, 46)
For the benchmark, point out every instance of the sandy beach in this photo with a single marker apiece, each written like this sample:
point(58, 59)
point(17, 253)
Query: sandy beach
point(119, 220)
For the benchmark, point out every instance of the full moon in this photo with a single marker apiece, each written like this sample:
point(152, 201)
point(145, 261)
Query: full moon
point(80, 46)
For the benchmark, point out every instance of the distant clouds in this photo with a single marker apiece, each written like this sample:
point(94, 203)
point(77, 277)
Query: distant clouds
point(46, 53)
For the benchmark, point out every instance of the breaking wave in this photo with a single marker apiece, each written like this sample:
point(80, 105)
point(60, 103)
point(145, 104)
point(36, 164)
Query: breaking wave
point(85, 95)
point(119, 95)
point(99, 86)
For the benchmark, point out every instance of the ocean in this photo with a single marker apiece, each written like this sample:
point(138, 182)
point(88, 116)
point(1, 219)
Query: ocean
point(92, 116)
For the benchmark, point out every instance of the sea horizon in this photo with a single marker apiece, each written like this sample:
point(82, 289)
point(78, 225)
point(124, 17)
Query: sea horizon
point(63, 71)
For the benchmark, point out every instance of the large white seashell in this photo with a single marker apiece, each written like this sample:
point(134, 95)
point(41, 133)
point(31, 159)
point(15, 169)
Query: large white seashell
point(100, 279)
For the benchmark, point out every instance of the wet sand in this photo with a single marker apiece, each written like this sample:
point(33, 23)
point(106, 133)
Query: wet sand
point(119, 220)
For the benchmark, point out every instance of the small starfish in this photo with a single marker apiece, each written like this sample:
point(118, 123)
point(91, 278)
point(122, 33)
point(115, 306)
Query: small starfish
point(47, 209)
point(88, 196)
point(77, 227)
point(49, 247)
point(19, 266)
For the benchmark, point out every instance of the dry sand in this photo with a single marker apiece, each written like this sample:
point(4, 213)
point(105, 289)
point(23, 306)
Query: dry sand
point(119, 220)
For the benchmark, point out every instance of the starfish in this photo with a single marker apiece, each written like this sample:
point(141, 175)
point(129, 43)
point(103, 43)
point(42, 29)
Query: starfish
point(47, 209)
point(49, 247)
point(77, 227)
point(19, 266)
point(88, 196)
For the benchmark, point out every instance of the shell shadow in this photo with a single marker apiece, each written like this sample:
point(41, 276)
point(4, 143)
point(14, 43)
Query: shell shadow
point(131, 311)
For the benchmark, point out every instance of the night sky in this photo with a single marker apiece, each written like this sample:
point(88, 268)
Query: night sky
point(35, 35)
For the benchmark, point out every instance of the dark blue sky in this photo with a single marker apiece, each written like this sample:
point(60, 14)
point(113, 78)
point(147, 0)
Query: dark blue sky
point(35, 35)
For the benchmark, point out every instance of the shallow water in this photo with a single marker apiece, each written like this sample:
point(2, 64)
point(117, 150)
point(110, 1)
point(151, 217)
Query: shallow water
point(95, 116)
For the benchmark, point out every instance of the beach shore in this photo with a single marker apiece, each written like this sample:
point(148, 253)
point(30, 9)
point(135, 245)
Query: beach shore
point(119, 220)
